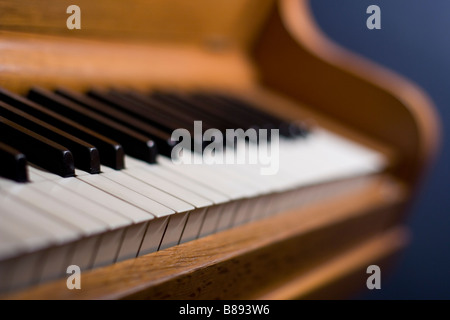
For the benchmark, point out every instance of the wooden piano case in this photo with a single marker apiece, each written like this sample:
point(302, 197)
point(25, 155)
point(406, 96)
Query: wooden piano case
point(265, 51)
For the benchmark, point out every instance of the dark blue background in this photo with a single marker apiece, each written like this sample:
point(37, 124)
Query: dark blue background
point(414, 41)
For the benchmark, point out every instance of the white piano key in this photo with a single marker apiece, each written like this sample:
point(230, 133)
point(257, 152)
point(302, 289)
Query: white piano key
point(153, 236)
point(148, 191)
point(130, 196)
point(239, 172)
point(87, 191)
point(262, 207)
point(58, 210)
point(55, 262)
point(45, 234)
point(88, 207)
point(269, 209)
point(348, 161)
point(6, 184)
point(366, 156)
point(13, 208)
point(9, 245)
point(34, 239)
point(211, 220)
point(193, 225)
point(230, 179)
point(109, 247)
point(34, 176)
point(248, 173)
point(168, 187)
point(37, 174)
point(132, 241)
point(244, 212)
point(23, 271)
point(30, 237)
point(323, 157)
point(6, 269)
point(18, 271)
point(303, 161)
point(120, 207)
point(216, 197)
point(83, 253)
point(110, 242)
point(133, 163)
point(174, 230)
point(204, 174)
point(225, 218)
point(281, 180)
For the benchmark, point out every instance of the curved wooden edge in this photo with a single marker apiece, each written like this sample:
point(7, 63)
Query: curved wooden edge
point(241, 263)
point(417, 102)
point(295, 58)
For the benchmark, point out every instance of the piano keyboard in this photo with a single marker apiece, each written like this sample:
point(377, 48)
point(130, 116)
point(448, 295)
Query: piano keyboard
point(87, 178)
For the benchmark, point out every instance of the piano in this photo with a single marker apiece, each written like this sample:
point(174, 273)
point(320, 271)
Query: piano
point(89, 177)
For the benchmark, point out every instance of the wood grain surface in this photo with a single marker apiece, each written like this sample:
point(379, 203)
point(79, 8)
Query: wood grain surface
point(215, 24)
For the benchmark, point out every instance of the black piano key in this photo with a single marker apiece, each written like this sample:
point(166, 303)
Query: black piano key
point(247, 109)
point(181, 105)
point(248, 119)
point(162, 139)
point(208, 105)
point(216, 114)
point(134, 143)
point(143, 111)
point(138, 109)
point(209, 116)
point(182, 118)
point(86, 156)
point(251, 113)
point(219, 118)
point(236, 117)
point(38, 150)
point(13, 164)
point(111, 152)
point(287, 128)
